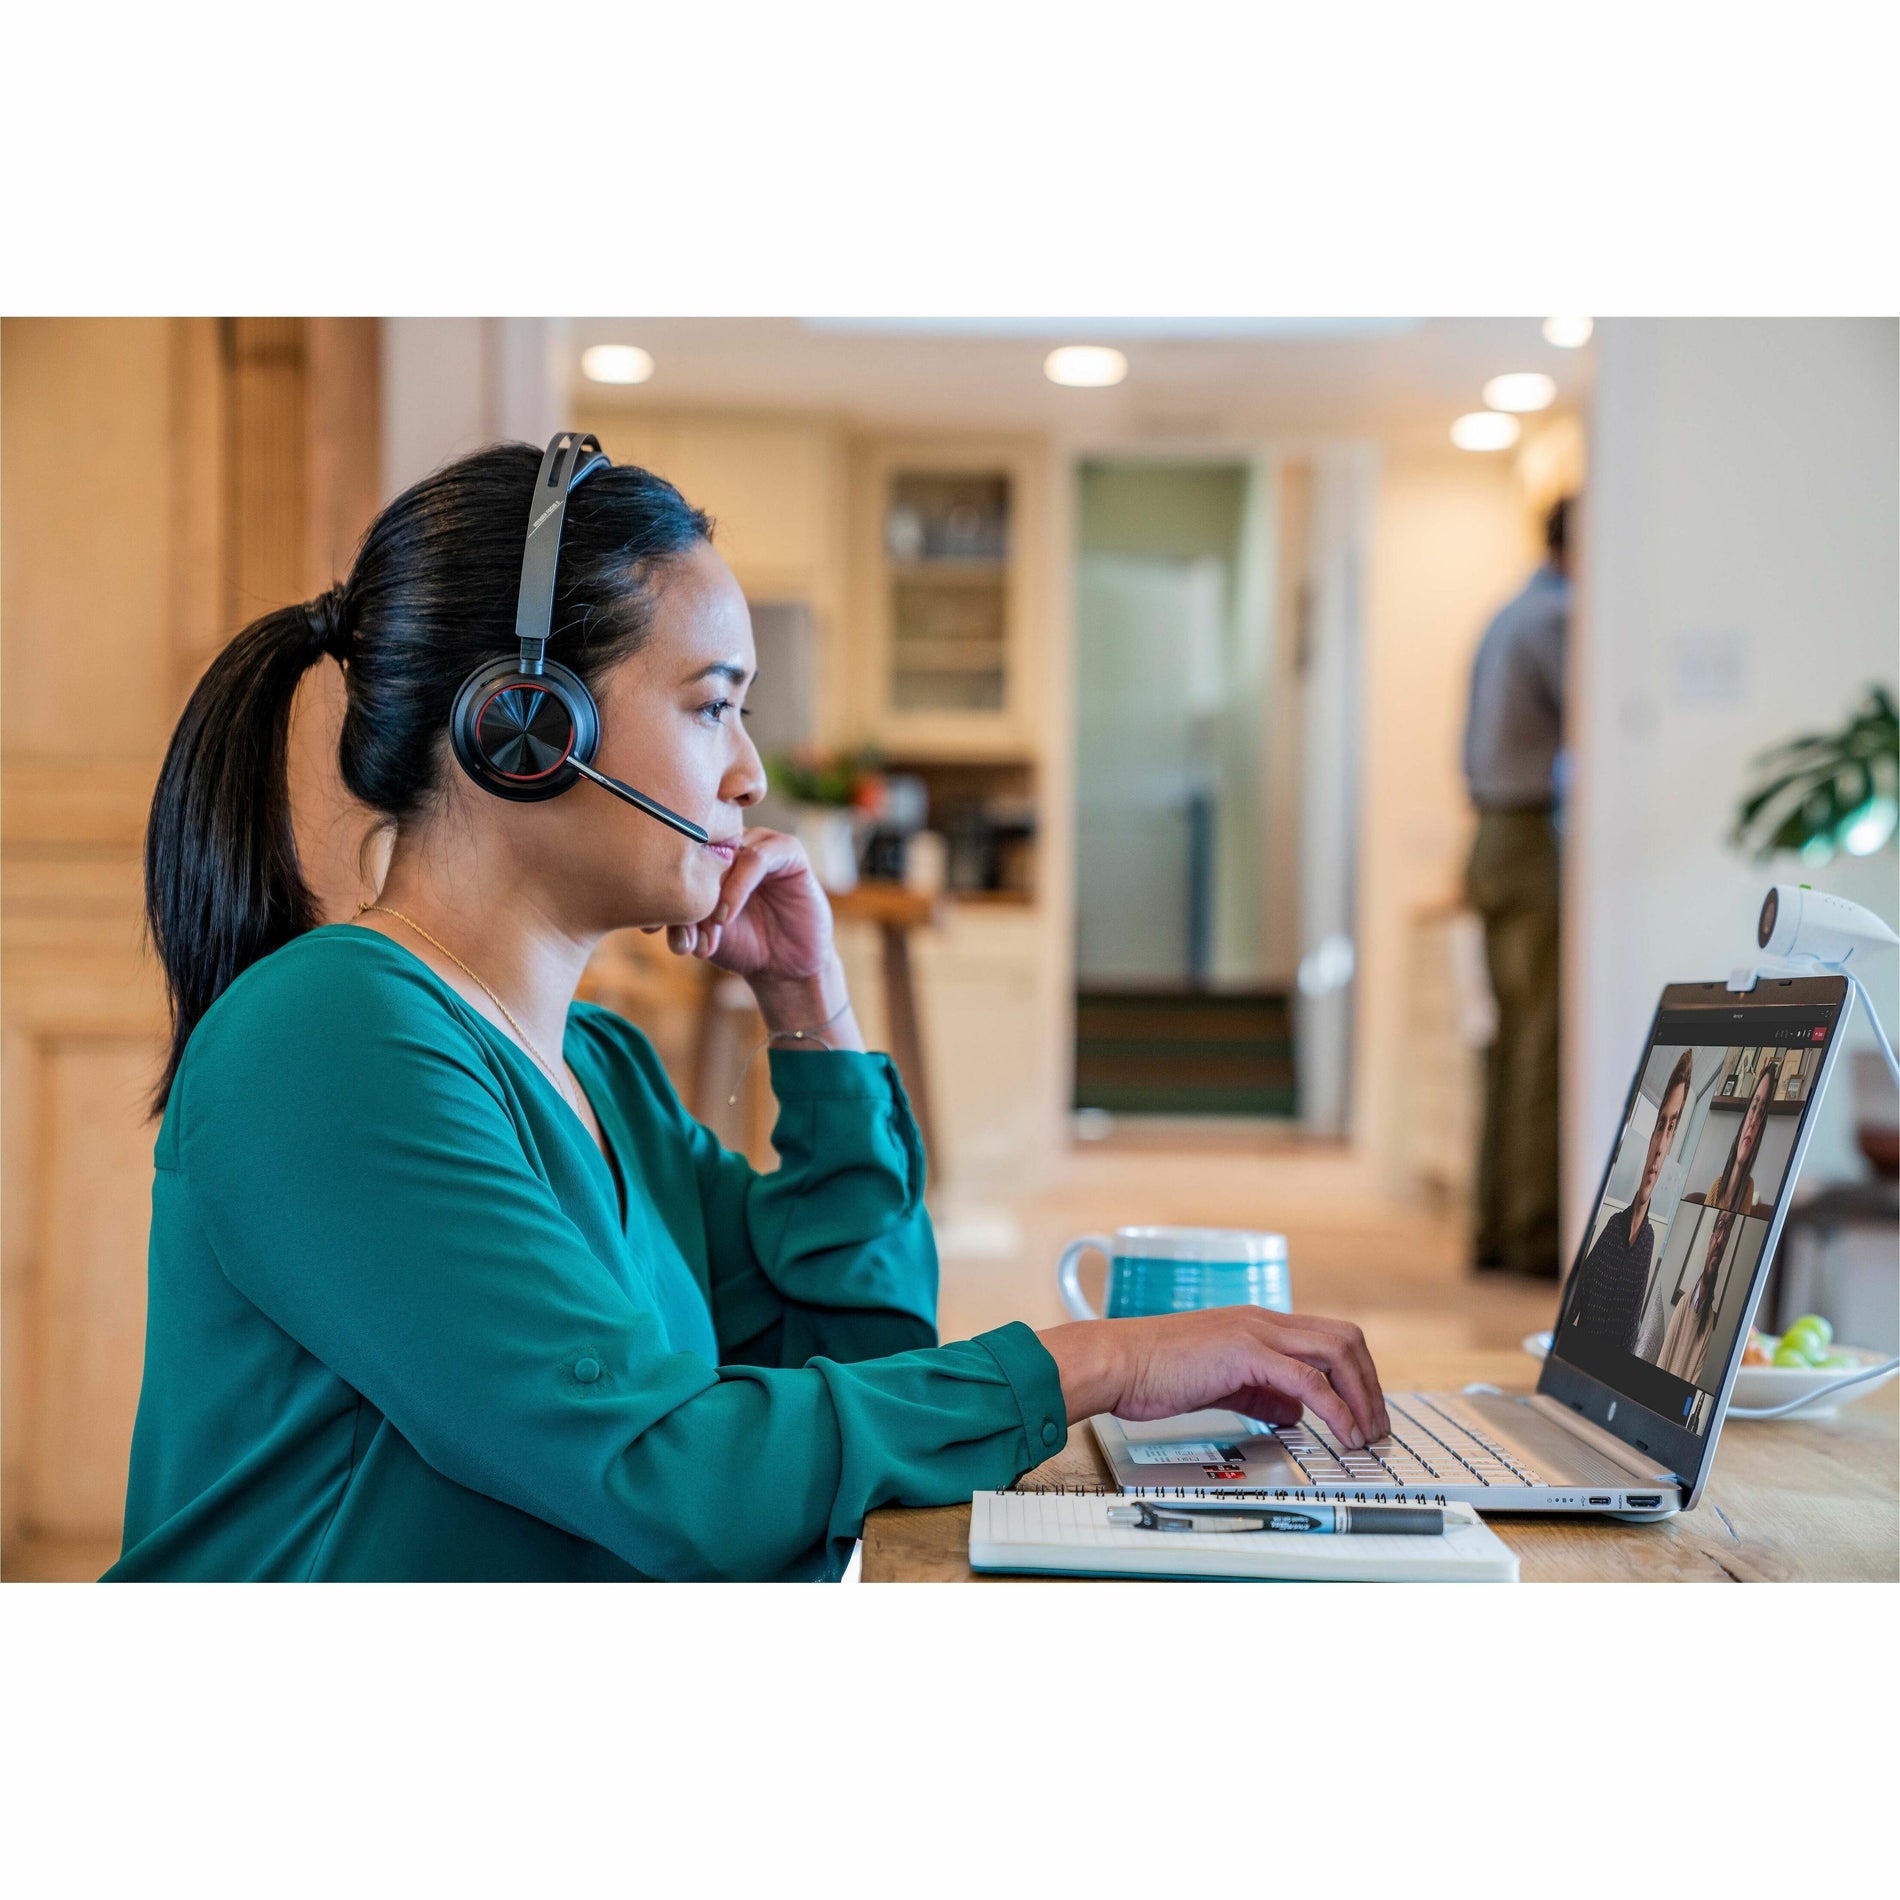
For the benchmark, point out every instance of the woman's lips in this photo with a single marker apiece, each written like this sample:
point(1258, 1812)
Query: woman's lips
point(725, 849)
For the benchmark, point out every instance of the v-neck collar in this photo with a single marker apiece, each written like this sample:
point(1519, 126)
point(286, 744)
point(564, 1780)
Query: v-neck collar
point(613, 1161)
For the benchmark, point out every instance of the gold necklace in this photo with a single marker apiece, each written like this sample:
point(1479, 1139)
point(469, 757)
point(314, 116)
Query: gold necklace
point(527, 1041)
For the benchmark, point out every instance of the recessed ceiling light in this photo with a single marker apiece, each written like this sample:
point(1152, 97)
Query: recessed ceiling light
point(1085, 366)
point(616, 363)
point(1521, 392)
point(1484, 429)
point(1568, 333)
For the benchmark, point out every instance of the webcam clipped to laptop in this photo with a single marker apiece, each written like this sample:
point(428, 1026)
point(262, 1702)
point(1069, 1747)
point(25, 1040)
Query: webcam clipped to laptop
point(1654, 1316)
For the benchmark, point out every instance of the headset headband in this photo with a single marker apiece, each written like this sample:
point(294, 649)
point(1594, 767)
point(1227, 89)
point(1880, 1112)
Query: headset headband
point(570, 458)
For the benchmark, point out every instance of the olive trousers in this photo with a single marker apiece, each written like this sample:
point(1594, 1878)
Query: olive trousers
point(1512, 883)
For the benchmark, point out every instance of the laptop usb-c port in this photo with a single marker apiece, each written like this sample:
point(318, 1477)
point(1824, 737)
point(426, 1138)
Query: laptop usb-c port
point(1601, 1500)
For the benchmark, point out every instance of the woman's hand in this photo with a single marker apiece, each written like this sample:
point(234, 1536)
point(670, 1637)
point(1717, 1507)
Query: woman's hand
point(1236, 1358)
point(772, 919)
point(772, 926)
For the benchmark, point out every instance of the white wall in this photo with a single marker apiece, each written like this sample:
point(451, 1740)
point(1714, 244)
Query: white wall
point(1448, 548)
point(451, 384)
point(1740, 583)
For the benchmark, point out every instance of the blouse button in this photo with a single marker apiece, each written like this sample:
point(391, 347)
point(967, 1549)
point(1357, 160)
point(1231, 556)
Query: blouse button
point(1051, 1431)
point(587, 1370)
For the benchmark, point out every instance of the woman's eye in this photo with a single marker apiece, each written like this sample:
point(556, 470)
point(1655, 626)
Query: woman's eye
point(716, 710)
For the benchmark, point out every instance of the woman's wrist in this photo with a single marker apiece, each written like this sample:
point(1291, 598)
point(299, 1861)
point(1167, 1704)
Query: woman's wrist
point(814, 1004)
point(1088, 1363)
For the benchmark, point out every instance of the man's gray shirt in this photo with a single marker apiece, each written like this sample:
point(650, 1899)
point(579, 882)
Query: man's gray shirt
point(1514, 730)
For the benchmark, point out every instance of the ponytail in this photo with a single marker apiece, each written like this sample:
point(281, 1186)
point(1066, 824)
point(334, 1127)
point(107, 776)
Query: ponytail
point(222, 883)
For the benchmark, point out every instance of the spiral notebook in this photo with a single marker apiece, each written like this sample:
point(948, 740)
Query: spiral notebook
point(1068, 1532)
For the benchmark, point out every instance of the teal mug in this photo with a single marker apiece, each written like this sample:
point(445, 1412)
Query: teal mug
point(1179, 1270)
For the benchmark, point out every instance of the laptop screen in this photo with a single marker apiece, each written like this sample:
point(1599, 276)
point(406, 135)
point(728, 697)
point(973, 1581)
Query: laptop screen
point(1702, 1164)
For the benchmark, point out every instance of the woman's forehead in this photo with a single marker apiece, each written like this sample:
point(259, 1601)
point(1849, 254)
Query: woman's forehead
point(699, 619)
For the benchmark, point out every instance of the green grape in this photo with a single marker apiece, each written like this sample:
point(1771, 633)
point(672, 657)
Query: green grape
point(1840, 1362)
point(1793, 1358)
point(1801, 1337)
point(1814, 1323)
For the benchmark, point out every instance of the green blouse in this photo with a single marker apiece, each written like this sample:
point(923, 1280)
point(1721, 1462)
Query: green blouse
point(399, 1328)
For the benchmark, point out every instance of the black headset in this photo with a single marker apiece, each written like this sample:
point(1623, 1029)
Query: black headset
point(526, 727)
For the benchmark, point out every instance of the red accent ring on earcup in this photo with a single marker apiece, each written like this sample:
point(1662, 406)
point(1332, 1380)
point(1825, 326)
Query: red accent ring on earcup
point(524, 733)
point(520, 735)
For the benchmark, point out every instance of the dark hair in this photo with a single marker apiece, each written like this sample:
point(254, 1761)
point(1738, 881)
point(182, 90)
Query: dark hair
point(1557, 526)
point(429, 597)
point(1682, 1076)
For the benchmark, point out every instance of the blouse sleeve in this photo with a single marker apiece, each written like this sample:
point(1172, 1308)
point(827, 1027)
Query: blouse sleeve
point(362, 1180)
point(832, 1253)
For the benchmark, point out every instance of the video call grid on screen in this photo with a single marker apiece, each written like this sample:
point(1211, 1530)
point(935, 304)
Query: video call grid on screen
point(1660, 1292)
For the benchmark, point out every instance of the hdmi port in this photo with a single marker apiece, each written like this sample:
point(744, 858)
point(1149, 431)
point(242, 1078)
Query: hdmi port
point(1603, 1500)
point(1647, 1502)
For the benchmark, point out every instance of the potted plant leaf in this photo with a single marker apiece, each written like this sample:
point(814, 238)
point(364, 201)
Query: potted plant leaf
point(836, 795)
point(1827, 792)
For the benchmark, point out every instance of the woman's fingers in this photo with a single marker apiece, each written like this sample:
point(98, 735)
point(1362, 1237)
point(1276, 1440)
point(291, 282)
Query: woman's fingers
point(1339, 1349)
point(751, 864)
point(1300, 1380)
point(693, 940)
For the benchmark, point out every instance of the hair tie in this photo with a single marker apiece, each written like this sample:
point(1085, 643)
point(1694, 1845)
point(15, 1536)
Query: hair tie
point(325, 618)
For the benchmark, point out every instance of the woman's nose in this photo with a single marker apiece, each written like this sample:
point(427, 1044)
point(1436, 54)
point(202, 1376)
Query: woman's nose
point(745, 783)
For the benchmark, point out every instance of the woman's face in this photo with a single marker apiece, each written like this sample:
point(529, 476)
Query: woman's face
point(1712, 1260)
point(1754, 1114)
point(670, 726)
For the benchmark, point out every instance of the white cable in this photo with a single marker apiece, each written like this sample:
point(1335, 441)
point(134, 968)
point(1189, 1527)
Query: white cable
point(1880, 1034)
point(1885, 1371)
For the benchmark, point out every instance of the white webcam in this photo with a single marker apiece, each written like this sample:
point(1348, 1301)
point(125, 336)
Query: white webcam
point(1800, 923)
point(1804, 932)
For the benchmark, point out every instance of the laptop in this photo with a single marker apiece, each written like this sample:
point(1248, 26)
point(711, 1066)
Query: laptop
point(1654, 1315)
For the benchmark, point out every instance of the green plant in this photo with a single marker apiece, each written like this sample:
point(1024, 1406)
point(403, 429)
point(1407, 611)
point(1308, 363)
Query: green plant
point(1827, 792)
point(812, 776)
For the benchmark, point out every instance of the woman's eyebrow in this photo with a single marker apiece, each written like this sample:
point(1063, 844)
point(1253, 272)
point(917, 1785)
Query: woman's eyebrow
point(729, 670)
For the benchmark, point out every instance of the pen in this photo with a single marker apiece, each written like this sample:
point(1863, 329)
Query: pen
point(1405, 1520)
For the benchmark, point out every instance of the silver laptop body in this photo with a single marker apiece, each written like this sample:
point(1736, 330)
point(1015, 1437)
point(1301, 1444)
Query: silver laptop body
point(1614, 1427)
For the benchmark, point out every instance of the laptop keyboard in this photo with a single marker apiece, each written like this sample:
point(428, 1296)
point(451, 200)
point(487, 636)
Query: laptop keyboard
point(1433, 1442)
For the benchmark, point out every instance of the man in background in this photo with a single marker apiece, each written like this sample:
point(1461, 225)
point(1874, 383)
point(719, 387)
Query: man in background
point(1513, 747)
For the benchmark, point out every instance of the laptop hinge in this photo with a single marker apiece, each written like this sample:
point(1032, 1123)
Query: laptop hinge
point(1637, 1463)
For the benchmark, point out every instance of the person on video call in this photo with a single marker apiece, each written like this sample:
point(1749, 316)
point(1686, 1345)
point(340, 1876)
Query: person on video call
point(1608, 1298)
point(1686, 1341)
point(445, 1282)
point(1734, 1187)
point(1513, 741)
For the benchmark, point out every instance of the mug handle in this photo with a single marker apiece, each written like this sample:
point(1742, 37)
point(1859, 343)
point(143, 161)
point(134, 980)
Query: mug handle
point(1069, 1279)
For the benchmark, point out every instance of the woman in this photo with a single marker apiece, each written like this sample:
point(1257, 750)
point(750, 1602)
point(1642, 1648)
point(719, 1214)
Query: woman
point(1686, 1341)
point(1734, 1188)
point(444, 1281)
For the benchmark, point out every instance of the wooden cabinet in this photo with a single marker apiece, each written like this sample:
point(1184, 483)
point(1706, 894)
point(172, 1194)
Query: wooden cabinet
point(775, 488)
point(949, 545)
point(984, 1005)
point(164, 480)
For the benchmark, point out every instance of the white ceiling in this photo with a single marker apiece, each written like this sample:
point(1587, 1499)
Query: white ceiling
point(1401, 381)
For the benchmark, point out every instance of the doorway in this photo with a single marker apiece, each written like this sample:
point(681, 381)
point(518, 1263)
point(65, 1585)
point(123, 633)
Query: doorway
point(1216, 722)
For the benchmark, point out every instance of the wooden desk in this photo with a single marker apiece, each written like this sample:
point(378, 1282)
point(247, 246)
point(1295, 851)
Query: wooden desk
point(1789, 1500)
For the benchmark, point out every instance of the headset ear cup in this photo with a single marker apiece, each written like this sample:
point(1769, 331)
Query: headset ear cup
point(515, 733)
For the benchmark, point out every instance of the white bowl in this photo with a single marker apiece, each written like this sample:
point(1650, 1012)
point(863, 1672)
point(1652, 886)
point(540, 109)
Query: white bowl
point(1759, 1387)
